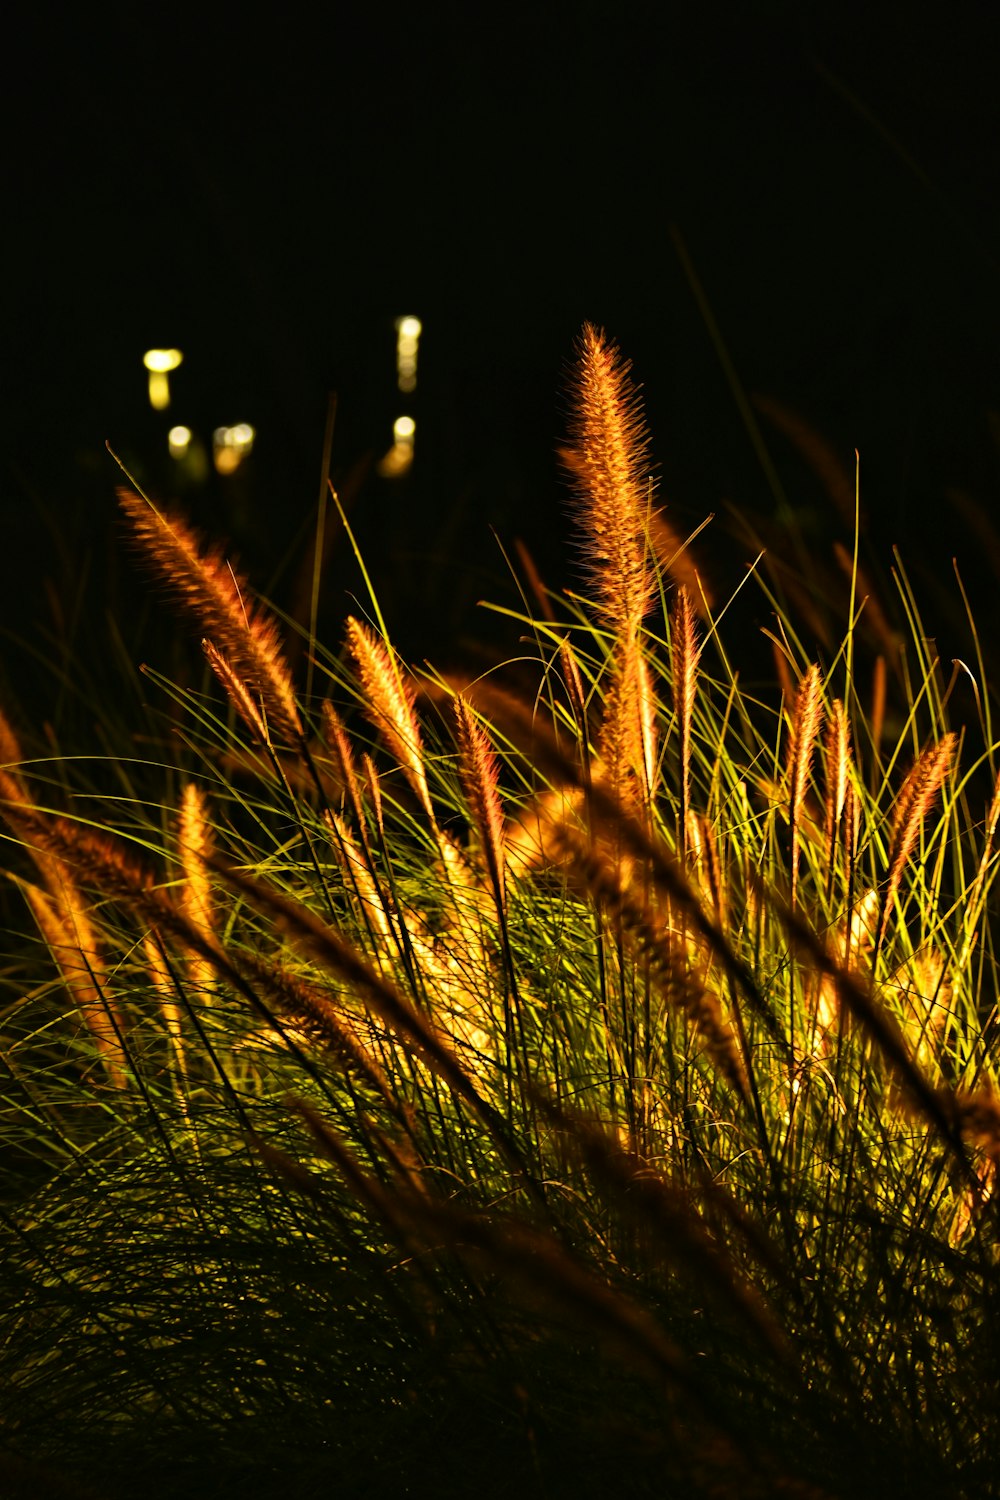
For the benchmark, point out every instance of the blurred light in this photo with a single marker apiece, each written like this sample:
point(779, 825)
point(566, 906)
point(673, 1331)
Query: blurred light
point(162, 360)
point(408, 331)
point(159, 363)
point(400, 456)
point(179, 441)
point(231, 445)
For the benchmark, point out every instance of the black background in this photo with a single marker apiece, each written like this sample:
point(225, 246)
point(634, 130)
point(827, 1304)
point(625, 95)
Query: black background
point(270, 194)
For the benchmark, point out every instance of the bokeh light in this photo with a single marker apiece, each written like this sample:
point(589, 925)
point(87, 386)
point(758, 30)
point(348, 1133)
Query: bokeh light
point(408, 331)
point(231, 445)
point(159, 363)
point(179, 441)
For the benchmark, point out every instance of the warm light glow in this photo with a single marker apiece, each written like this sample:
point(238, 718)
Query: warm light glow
point(408, 331)
point(159, 362)
point(162, 360)
point(231, 445)
point(179, 441)
point(400, 456)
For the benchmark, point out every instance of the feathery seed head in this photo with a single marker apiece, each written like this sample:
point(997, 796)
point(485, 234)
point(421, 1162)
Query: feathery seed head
point(916, 798)
point(806, 717)
point(390, 706)
point(608, 461)
point(205, 585)
point(480, 779)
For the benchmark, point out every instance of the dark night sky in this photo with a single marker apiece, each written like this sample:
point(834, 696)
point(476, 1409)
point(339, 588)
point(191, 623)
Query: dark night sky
point(269, 196)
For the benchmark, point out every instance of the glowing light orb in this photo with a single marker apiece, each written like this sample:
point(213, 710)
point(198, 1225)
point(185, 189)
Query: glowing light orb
point(408, 331)
point(159, 363)
point(400, 456)
point(231, 445)
point(179, 441)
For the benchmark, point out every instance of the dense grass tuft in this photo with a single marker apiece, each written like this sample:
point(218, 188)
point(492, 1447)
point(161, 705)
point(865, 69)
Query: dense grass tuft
point(579, 1080)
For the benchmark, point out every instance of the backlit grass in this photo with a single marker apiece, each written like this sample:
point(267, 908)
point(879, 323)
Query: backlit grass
point(580, 1076)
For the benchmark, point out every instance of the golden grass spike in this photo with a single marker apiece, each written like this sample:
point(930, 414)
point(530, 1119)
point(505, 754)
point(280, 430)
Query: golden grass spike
point(84, 975)
point(852, 837)
point(237, 692)
point(837, 755)
point(374, 786)
point(916, 797)
point(628, 731)
point(204, 584)
point(608, 459)
point(616, 746)
point(62, 915)
point(923, 991)
point(574, 689)
point(195, 847)
point(456, 963)
point(705, 845)
point(357, 853)
point(105, 864)
point(343, 755)
point(376, 904)
point(481, 781)
point(10, 748)
point(877, 719)
point(389, 706)
point(806, 717)
point(164, 986)
point(646, 714)
point(684, 661)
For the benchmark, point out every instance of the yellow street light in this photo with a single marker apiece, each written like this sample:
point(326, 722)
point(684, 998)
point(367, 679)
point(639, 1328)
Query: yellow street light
point(159, 363)
point(397, 461)
point(179, 441)
point(408, 331)
point(231, 445)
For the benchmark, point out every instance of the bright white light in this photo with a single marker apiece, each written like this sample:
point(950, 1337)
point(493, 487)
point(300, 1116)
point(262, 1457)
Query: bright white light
point(409, 328)
point(179, 441)
point(403, 429)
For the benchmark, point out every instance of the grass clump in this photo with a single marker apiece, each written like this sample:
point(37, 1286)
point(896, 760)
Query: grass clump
point(579, 1076)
